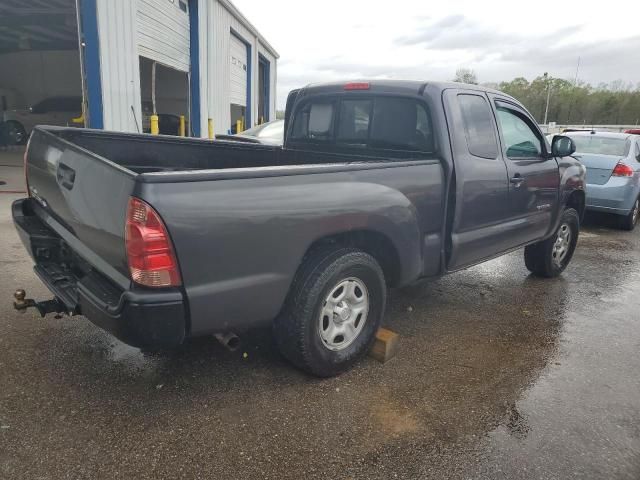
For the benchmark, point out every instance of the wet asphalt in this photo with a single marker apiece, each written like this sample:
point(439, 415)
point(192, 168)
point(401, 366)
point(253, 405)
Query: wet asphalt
point(499, 375)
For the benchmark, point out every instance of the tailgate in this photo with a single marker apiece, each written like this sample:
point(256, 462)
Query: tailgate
point(83, 197)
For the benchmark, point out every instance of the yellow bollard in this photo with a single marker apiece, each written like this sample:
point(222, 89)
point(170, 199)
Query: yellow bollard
point(155, 128)
point(182, 131)
point(212, 133)
point(79, 120)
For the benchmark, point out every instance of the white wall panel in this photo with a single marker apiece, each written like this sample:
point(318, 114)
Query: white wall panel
point(119, 67)
point(237, 71)
point(215, 89)
point(163, 32)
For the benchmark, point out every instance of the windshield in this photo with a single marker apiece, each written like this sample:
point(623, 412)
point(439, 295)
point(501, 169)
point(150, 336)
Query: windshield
point(601, 145)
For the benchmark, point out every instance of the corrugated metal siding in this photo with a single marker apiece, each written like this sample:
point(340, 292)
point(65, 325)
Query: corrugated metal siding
point(119, 67)
point(163, 32)
point(217, 39)
point(237, 72)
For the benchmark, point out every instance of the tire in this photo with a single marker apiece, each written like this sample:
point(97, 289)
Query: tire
point(630, 221)
point(307, 337)
point(15, 133)
point(550, 257)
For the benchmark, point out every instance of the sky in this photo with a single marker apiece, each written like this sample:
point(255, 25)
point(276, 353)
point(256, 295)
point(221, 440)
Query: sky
point(328, 40)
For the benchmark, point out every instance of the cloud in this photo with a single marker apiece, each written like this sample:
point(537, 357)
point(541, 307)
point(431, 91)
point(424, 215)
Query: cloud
point(429, 41)
point(456, 32)
point(431, 31)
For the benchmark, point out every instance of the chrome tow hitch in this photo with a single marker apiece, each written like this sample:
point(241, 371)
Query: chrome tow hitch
point(21, 303)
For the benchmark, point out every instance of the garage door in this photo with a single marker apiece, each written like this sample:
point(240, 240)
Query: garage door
point(238, 72)
point(163, 32)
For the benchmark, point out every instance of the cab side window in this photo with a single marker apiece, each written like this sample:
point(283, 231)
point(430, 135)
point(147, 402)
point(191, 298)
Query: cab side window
point(478, 126)
point(521, 141)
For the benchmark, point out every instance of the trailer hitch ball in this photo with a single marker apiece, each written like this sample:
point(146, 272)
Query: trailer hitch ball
point(20, 303)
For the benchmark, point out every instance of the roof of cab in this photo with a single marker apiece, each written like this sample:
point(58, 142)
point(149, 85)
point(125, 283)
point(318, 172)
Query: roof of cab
point(413, 87)
point(595, 133)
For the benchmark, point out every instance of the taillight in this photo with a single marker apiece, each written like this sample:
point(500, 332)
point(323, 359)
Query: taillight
point(357, 86)
point(152, 261)
point(622, 170)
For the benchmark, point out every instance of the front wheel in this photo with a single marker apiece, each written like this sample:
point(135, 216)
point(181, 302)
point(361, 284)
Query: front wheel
point(333, 311)
point(630, 221)
point(550, 257)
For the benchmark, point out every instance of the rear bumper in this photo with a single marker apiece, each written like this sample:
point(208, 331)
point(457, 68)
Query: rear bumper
point(139, 317)
point(616, 196)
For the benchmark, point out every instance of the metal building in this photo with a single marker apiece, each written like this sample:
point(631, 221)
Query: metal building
point(126, 58)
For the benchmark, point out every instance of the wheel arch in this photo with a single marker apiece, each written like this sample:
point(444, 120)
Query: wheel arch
point(375, 243)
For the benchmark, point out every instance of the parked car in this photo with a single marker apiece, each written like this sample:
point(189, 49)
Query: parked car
point(161, 239)
point(634, 131)
point(613, 173)
point(270, 133)
point(18, 124)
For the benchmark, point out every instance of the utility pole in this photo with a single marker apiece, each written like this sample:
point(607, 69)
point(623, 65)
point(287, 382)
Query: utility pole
point(575, 84)
point(546, 108)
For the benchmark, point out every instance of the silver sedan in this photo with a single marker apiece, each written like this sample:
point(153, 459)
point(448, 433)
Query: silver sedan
point(613, 173)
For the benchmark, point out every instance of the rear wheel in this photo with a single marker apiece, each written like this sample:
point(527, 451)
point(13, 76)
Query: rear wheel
point(333, 311)
point(550, 257)
point(630, 221)
point(15, 132)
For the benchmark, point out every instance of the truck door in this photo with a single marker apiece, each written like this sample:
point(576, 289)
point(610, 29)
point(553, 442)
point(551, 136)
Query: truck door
point(533, 174)
point(481, 180)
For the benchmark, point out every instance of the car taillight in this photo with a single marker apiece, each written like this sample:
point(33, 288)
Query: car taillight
point(622, 170)
point(152, 261)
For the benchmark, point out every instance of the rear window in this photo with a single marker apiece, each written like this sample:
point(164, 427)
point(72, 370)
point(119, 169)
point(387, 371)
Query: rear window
point(597, 145)
point(314, 122)
point(353, 125)
point(387, 123)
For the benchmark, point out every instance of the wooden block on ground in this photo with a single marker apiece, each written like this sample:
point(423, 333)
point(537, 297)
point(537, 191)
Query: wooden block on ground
point(386, 345)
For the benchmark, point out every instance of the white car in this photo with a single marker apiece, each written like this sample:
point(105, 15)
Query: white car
point(50, 111)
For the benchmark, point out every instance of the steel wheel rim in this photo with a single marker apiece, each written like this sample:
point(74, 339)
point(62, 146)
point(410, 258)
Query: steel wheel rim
point(636, 210)
point(344, 314)
point(562, 244)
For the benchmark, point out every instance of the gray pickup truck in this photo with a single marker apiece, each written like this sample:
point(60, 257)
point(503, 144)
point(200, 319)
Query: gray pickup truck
point(378, 184)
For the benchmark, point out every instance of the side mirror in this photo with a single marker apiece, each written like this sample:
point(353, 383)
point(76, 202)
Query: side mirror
point(562, 146)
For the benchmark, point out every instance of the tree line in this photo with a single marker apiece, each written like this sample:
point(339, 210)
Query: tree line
point(573, 103)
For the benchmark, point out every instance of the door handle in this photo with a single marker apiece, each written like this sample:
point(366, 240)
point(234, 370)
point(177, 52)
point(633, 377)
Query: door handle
point(517, 180)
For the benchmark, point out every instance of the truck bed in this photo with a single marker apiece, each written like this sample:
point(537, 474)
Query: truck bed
point(146, 153)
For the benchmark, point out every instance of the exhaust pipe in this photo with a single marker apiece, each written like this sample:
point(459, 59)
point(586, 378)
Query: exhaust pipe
point(230, 341)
